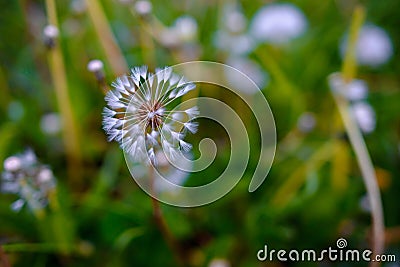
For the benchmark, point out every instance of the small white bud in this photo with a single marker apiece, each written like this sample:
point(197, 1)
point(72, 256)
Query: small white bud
point(45, 176)
point(50, 31)
point(143, 7)
point(12, 164)
point(95, 65)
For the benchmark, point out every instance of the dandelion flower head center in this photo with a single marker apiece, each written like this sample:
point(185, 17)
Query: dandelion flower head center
point(137, 117)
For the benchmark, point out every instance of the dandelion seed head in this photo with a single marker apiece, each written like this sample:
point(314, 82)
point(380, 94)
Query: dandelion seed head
point(27, 178)
point(137, 114)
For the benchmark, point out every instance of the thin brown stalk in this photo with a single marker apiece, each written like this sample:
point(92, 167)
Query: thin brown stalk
point(4, 258)
point(162, 224)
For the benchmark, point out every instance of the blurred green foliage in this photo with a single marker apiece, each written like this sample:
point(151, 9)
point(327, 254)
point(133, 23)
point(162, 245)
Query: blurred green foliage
point(311, 197)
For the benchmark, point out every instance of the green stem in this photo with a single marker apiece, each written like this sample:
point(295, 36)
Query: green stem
point(357, 140)
point(293, 183)
point(107, 39)
point(368, 174)
point(147, 44)
point(57, 70)
point(349, 63)
point(32, 247)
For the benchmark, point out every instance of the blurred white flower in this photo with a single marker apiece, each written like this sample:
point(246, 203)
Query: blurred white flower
point(31, 181)
point(12, 164)
point(169, 38)
point(45, 175)
point(183, 30)
point(373, 48)
point(143, 7)
point(232, 36)
point(237, 44)
point(354, 90)
point(219, 263)
point(249, 68)
point(186, 28)
point(51, 123)
point(137, 115)
point(364, 115)
point(233, 19)
point(278, 23)
point(306, 122)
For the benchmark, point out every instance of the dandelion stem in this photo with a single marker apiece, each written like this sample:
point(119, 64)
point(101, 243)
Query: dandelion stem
point(162, 225)
point(147, 45)
point(368, 174)
point(357, 141)
point(57, 69)
point(107, 39)
point(349, 63)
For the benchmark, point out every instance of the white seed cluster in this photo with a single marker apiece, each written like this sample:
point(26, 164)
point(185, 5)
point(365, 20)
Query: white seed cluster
point(137, 117)
point(31, 181)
